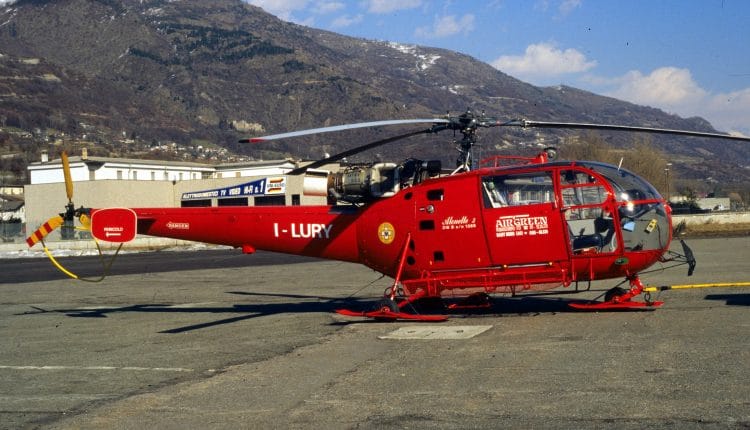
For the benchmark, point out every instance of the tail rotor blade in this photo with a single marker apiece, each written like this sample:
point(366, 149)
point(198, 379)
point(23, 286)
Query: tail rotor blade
point(44, 230)
point(66, 173)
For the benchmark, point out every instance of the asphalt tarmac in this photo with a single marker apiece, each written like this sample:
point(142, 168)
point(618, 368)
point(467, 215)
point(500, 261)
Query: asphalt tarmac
point(217, 339)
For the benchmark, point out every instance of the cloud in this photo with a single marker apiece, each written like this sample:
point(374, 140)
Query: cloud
point(729, 111)
point(567, 6)
point(445, 26)
point(666, 87)
point(674, 90)
point(346, 21)
point(671, 89)
point(543, 61)
point(325, 7)
point(281, 8)
point(387, 6)
point(285, 9)
point(6, 2)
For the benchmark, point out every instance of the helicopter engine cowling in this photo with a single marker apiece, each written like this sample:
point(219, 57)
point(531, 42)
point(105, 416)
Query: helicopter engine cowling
point(363, 183)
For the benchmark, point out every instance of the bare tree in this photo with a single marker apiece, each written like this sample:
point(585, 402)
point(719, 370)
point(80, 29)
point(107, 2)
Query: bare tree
point(643, 158)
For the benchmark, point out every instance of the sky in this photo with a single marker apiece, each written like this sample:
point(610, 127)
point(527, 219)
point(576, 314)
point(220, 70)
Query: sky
point(687, 57)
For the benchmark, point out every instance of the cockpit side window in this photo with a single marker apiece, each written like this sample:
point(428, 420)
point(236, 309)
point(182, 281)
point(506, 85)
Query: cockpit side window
point(582, 193)
point(587, 212)
point(518, 189)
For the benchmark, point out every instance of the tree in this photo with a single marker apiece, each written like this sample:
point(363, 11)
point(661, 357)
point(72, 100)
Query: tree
point(735, 201)
point(643, 159)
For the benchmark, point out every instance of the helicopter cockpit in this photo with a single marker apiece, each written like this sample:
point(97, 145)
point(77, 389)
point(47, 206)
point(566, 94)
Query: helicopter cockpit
point(597, 200)
point(641, 213)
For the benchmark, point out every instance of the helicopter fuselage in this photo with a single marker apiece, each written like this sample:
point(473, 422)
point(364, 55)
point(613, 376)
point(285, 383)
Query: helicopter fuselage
point(533, 226)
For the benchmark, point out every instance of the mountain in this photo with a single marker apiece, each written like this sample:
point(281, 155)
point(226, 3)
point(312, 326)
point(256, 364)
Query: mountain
point(123, 75)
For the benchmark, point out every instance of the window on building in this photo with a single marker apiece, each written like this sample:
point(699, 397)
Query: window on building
point(119, 174)
point(237, 201)
point(195, 203)
point(270, 201)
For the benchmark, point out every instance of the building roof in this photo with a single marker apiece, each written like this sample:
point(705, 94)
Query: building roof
point(11, 206)
point(114, 160)
point(255, 163)
point(11, 198)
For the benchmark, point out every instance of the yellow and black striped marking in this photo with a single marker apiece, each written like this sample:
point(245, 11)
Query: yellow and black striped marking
point(44, 230)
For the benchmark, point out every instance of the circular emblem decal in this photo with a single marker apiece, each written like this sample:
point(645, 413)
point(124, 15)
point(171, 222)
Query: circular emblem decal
point(386, 233)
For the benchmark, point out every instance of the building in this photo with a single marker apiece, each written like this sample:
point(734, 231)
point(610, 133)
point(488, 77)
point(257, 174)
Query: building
point(85, 168)
point(120, 182)
point(12, 216)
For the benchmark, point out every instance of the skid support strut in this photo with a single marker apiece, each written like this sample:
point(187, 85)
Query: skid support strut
point(389, 309)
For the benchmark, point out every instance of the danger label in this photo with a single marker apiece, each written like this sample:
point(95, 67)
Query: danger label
point(521, 225)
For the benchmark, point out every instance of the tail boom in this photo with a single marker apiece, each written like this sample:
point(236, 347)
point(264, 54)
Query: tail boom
point(318, 231)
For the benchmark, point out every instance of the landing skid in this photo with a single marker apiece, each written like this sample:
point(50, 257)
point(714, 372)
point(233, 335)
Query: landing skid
point(620, 299)
point(391, 310)
point(389, 315)
point(388, 309)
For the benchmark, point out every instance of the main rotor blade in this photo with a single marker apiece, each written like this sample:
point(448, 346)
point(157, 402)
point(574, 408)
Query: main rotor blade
point(579, 125)
point(357, 150)
point(66, 174)
point(342, 127)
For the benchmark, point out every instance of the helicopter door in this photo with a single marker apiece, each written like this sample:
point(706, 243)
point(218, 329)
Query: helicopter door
point(448, 234)
point(590, 223)
point(522, 225)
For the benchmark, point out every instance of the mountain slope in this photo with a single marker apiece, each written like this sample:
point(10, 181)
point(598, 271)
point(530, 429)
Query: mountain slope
point(190, 70)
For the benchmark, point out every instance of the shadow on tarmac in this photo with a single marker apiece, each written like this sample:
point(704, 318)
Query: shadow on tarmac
point(20, 270)
point(301, 304)
point(731, 299)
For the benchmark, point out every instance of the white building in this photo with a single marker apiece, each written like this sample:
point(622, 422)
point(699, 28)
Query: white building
point(101, 168)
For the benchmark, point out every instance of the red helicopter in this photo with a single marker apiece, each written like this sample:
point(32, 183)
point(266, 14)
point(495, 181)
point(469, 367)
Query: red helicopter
point(533, 225)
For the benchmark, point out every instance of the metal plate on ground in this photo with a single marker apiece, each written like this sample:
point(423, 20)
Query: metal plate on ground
point(437, 332)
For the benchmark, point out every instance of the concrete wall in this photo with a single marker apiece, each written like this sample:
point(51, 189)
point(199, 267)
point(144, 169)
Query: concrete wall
point(46, 200)
point(717, 218)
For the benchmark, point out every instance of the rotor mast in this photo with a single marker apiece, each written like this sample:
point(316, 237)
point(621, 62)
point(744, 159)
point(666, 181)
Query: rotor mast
point(467, 124)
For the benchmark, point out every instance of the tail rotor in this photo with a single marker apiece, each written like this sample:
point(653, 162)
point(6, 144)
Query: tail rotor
point(66, 222)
